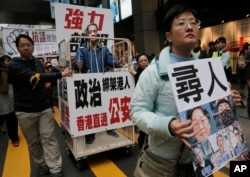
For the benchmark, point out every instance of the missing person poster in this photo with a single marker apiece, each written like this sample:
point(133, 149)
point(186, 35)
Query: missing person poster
point(202, 94)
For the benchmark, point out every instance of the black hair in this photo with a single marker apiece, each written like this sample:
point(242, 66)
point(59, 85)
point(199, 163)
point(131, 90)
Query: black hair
point(245, 45)
point(173, 12)
point(222, 101)
point(87, 28)
point(139, 55)
point(221, 39)
point(204, 111)
point(4, 57)
point(211, 43)
point(23, 36)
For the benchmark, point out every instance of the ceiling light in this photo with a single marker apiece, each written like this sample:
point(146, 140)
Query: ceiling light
point(247, 15)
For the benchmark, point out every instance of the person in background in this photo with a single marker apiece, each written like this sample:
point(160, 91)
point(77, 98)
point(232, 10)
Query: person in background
point(242, 51)
point(7, 111)
point(151, 57)
point(50, 85)
point(199, 51)
point(125, 58)
point(116, 55)
point(33, 108)
point(224, 55)
point(242, 61)
point(247, 76)
point(142, 62)
point(113, 7)
point(152, 107)
point(2, 128)
point(48, 60)
point(246, 155)
point(92, 58)
point(211, 49)
point(41, 59)
point(3, 89)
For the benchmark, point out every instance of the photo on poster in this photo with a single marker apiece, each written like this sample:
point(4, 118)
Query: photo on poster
point(201, 155)
point(204, 122)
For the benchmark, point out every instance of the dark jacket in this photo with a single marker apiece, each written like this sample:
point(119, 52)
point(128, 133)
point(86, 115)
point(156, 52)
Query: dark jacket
point(28, 79)
point(137, 75)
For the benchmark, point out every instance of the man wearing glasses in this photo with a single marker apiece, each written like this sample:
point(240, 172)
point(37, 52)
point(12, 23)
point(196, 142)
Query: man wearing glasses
point(33, 108)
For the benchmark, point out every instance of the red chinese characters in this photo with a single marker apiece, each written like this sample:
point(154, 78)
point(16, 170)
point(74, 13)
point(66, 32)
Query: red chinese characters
point(119, 113)
point(74, 19)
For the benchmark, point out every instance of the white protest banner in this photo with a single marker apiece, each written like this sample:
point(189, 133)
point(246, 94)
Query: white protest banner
point(95, 102)
point(45, 41)
point(71, 20)
point(196, 83)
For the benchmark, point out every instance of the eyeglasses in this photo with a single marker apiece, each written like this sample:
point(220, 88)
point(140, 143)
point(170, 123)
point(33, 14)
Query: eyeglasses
point(24, 45)
point(92, 31)
point(185, 23)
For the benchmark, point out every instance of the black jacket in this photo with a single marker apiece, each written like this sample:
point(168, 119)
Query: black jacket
point(30, 95)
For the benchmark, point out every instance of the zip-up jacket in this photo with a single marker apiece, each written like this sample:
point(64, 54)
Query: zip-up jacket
point(94, 60)
point(28, 79)
point(153, 108)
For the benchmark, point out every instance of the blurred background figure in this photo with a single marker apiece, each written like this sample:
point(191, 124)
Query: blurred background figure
point(124, 58)
point(113, 7)
point(51, 85)
point(243, 59)
point(199, 51)
point(142, 62)
point(116, 55)
point(211, 49)
point(7, 112)
point(41, 60)
point(224, 55)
